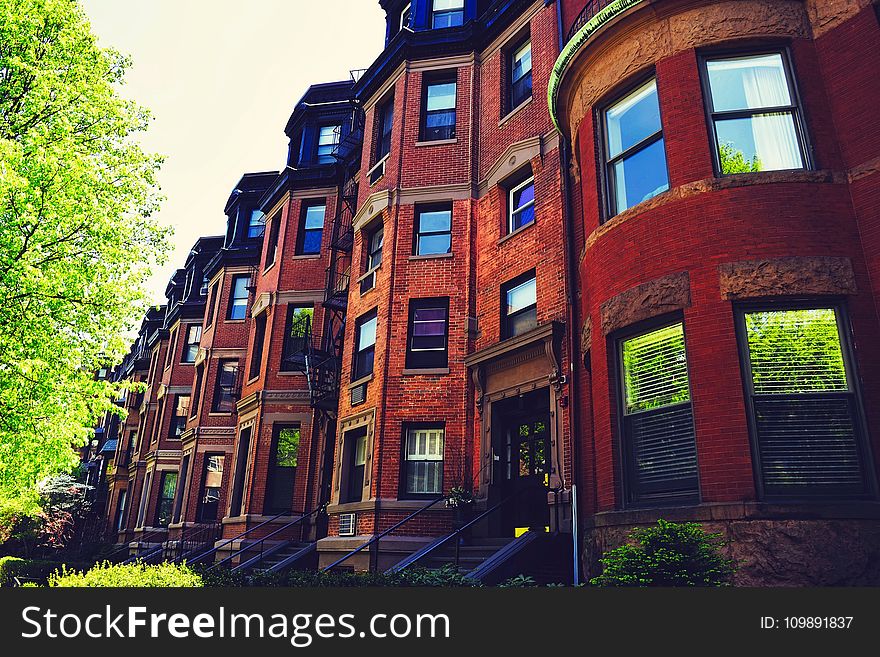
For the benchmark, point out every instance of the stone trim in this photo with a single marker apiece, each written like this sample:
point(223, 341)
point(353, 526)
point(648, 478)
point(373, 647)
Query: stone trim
point(652, 299)
point(366, 419)
point(440, 63)
point(261, 303)
point(373, 205)
point(786, 277)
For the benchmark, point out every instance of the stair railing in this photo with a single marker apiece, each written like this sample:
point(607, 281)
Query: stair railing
point(262, 542)
point(443, 540)
point(146, 538)
point(375, 540)
point(195, 538)
point(214, 549)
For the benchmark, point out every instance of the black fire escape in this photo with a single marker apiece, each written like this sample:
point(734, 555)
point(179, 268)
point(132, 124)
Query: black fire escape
point(324, 348)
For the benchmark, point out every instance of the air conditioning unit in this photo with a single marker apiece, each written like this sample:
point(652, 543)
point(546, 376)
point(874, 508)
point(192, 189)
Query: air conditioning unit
point(376, 173)
point(347, 524)
point(359, 394)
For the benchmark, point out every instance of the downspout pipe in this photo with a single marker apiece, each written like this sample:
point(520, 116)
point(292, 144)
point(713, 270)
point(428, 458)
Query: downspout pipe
point(572, 332)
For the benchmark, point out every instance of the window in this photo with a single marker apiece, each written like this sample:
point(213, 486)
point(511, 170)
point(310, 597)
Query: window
point(427, 344)
point(212, 302)
point(312, 228)
point(365, 345)
point(167, 487)
point(328, 139)
point(226, 391)
point(181, 489)
point(193, 338)
point(197, 390)
point(406, 16)
point(242, 467)
point(521, 204)
point(447, 13)
point(805, 412)
point(658, 425)
point(296, 338)
point(256, 224)
point(239, 301)
point(635, 155)
point(259, 341)
point(272, 242)
point(119, 523)
point(754, 113)
point(439, 109)
point(375, 240)
point(423, 461)
point(282, 469)
point(172, 347)
point(181, 413)
point(433, 230)
point(145, 495)
point(386, 125)
point(212, 482)
point(355, 455)
point(520, 75)
point(519, 300)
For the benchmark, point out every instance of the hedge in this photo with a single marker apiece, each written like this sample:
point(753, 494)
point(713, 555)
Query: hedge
point(133, 575)
point(32, 570)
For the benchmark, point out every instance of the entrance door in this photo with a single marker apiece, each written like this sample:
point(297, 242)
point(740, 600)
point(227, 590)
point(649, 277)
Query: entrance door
point(356, 456)
point(282, 469)
point(522, 460)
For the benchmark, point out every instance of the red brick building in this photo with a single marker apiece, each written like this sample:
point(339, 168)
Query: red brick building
point(610, 260)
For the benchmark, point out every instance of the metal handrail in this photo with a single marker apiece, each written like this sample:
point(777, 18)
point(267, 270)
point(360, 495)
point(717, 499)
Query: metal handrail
point(214, 549)
point(261, 541)
point(127, 546)
point(378, 537)
point(592, 8)
point(430, 547)
point(194, 538)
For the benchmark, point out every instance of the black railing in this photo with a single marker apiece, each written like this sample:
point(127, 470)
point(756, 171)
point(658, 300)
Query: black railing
point(592, 8)
point(261, 544)
point(195, 539)
point(420, 554)
point(378, 537)
point(145, 538)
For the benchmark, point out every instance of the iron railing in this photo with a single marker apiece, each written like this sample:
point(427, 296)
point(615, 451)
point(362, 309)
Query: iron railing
point(263, 552)
point(443, 540)
point(378, 537)
point(194, 539)
point(592, 8)
point(214, 549)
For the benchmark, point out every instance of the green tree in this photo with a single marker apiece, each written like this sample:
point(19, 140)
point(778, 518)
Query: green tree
point(734, 160)
point(76, 235)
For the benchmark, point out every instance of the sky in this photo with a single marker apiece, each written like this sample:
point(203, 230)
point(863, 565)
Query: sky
point(221, 78)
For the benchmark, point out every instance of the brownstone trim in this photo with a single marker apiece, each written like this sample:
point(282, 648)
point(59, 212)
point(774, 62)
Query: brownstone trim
point(652, 299)
point(795, 275)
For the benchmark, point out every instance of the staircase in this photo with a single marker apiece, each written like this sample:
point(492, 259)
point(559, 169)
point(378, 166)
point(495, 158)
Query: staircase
point(471, 554)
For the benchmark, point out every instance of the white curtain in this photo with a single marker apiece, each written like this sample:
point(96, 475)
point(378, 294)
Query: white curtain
point(776, 143)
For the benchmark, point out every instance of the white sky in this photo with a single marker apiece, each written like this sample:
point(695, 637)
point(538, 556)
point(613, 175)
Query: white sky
point(221, 78)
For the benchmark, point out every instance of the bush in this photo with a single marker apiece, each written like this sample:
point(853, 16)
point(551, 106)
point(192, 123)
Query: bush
point(668, 554)
point(137, 574)
point(12, 567)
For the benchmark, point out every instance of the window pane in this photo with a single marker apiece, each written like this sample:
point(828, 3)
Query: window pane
point(315, 216)
point(633, 119)
point(257, 224)
point(435, 244)
point(440, 5)
point(240, 287)
point(763, 142)
point(441, 96)
point(329, 135)
point(655, 369)
point(748, 82)
point(435, 221)
point(524, 195)
point(367, 335)
point(640, 176)
point(521, 296)
point(214, 471)
point(287, 449)
point(522, 218)
point(795, 351)
point(312, 241)
point(522, 322)
point(522, 62)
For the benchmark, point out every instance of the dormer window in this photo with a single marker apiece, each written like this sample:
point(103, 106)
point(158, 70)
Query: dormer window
point(406, 16)
point(447, 13)
point(328, 140)
point(256, 225)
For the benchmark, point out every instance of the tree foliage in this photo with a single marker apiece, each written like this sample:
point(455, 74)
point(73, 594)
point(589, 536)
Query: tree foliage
point(76, 235)
point(734, 160)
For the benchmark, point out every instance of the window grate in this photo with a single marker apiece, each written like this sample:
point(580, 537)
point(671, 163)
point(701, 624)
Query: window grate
point(347, 524)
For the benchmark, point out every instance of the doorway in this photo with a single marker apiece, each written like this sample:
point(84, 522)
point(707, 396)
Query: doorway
point(522, 463)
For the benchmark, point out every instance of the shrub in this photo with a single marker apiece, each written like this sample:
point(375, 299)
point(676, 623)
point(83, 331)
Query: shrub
point(9, 567)
point(12, 567)
point(518, 582)
point(668, 554)
point(136, 574)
